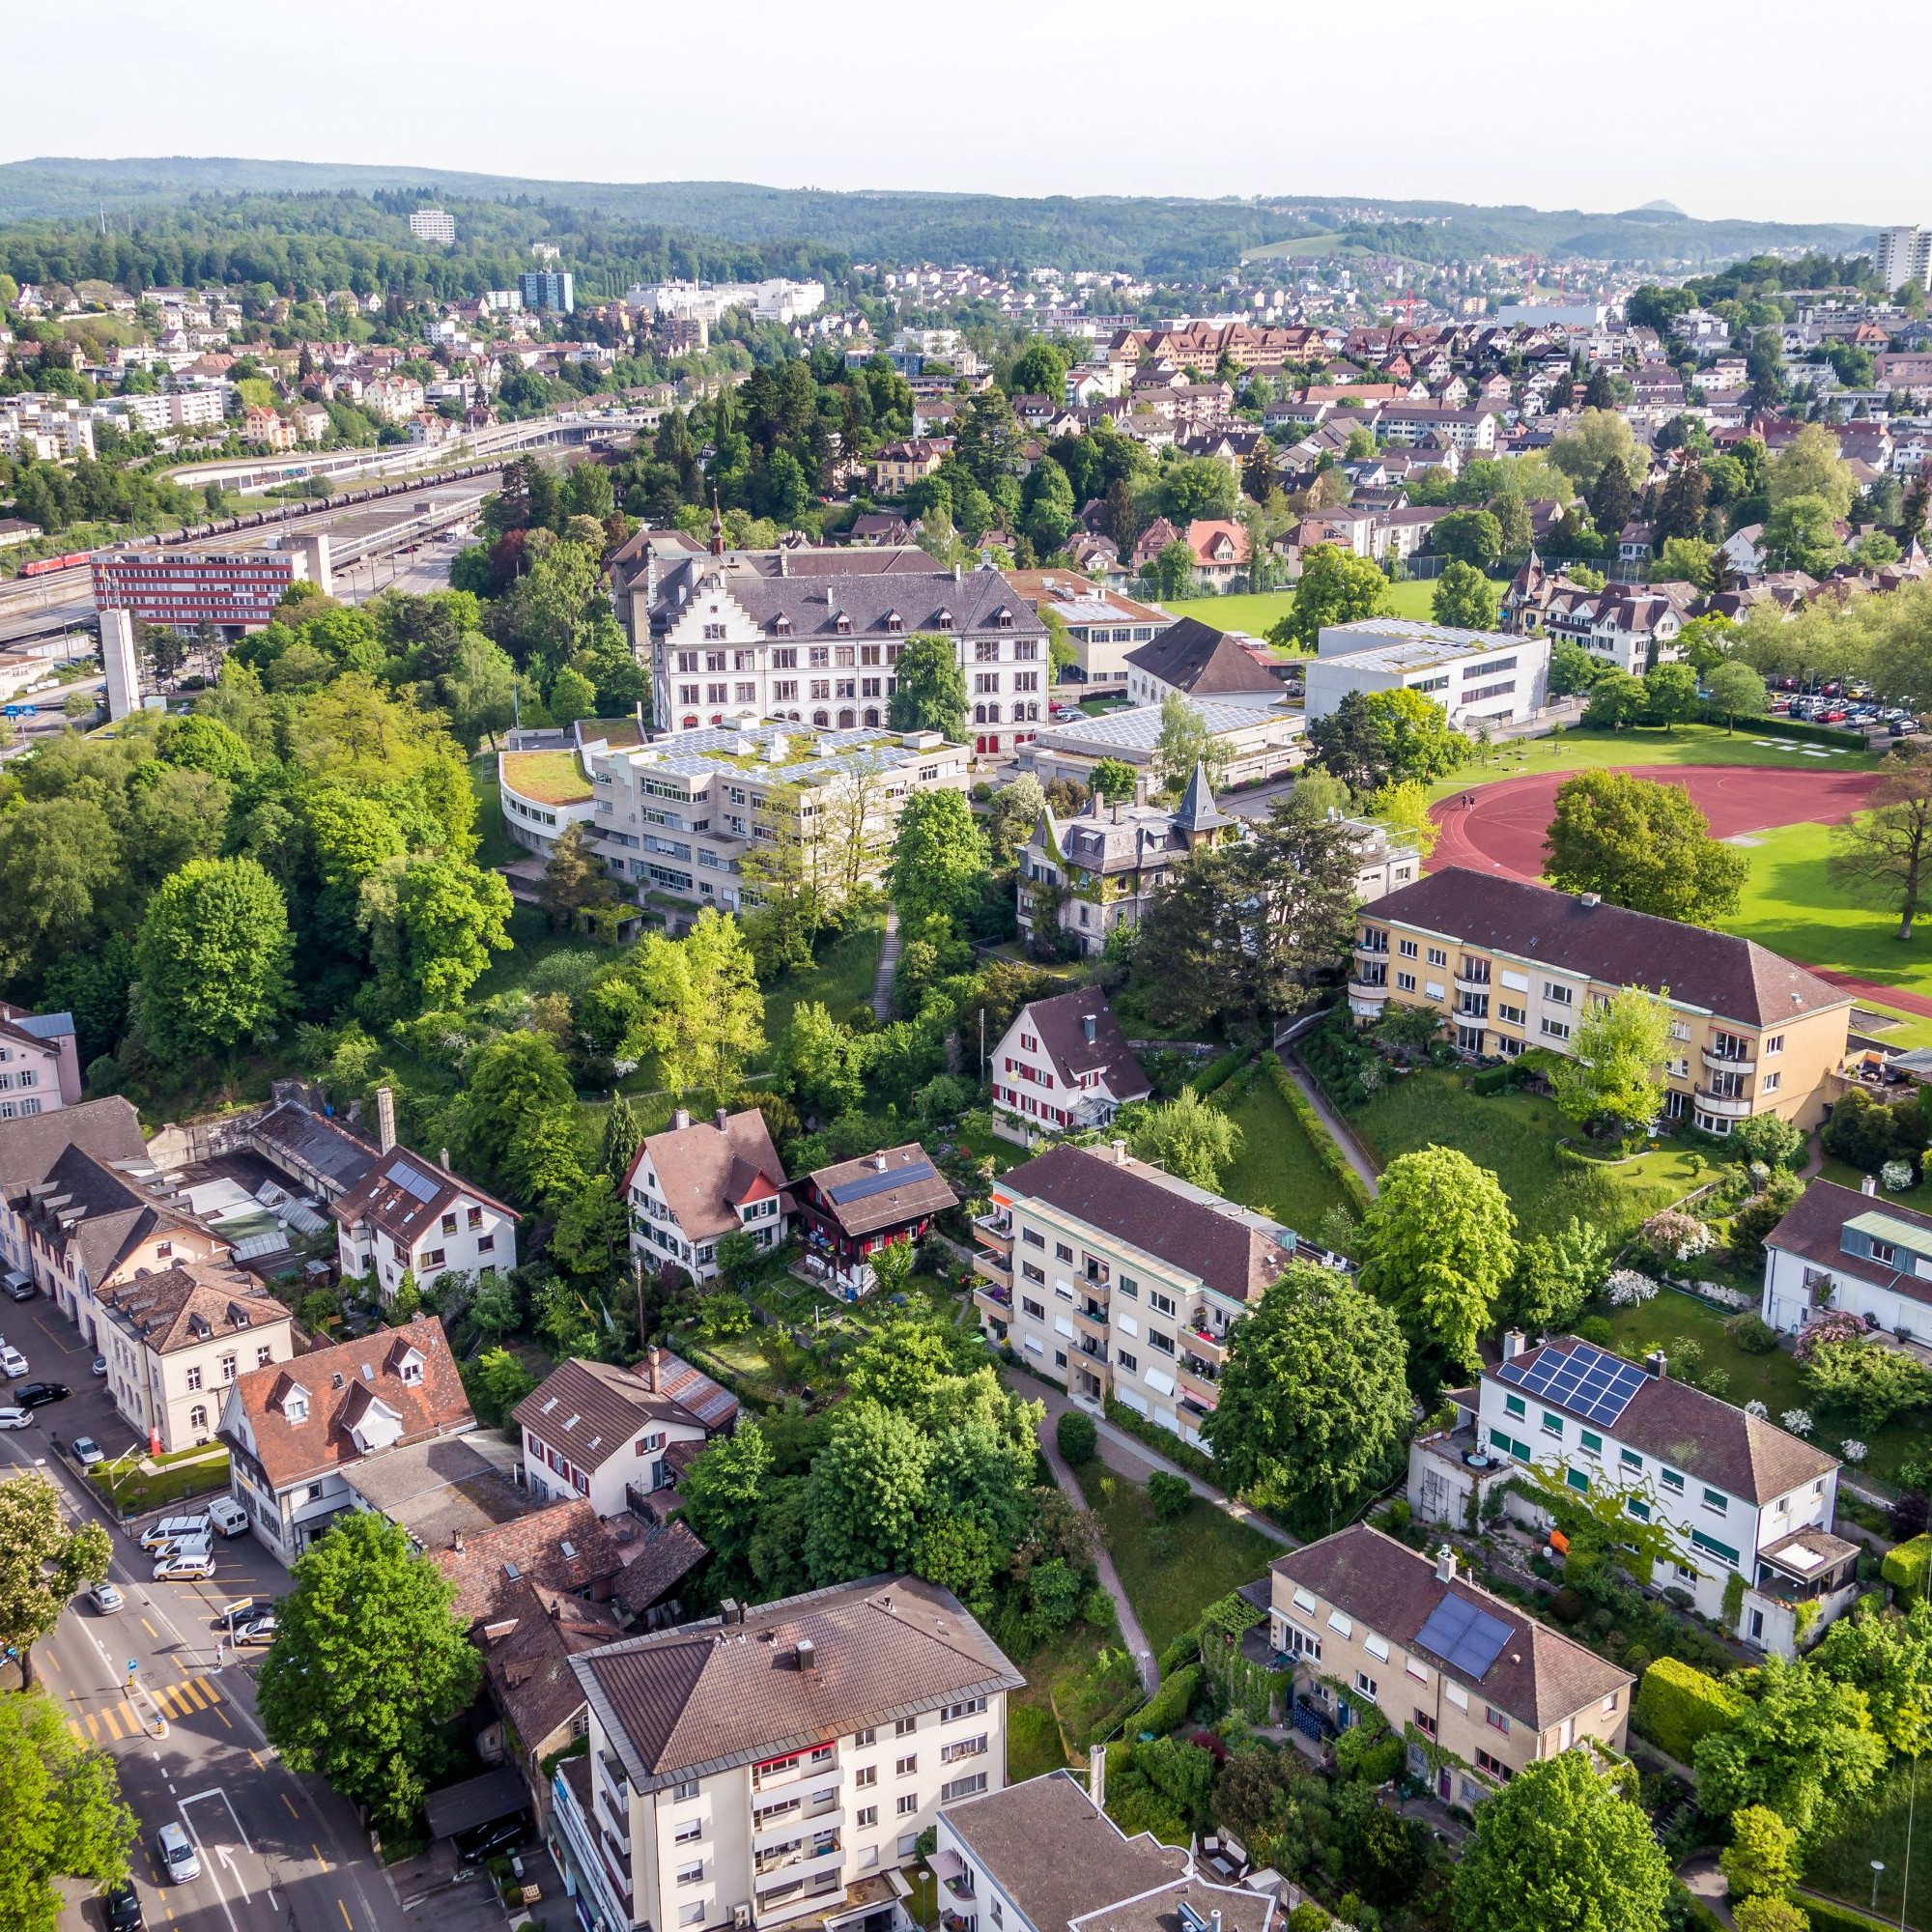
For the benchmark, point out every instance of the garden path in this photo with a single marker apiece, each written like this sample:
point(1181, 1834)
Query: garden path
point(888, 959)
point(1343, 1135)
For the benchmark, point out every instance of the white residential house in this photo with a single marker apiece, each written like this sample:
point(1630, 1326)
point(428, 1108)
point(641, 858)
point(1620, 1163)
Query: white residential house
point(694, 1183)
point(778, 1762)
point(1851, 1250)
point(40, 1063)
point(618, 1436)
point(1747, 1508)
point(1064, 1064)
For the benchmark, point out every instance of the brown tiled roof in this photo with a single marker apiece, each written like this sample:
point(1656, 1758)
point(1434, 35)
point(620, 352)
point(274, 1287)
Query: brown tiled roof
point(707, 1173)
point(1195, 657)
point(709, 1695)
point(1704, 1436)
point(406, 1195)
point(191, 1303)
point(1538, 1677)
point(1814, 1222)
point(918, 1188)
point(1732, 977)
point(1061, 1023)
point(592, 1410)
point(340, 1382)
point(528, 1643)
point(1141, 1206)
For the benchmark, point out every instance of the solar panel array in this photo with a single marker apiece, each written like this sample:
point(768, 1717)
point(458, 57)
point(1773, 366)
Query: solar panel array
point(868, 1184)
point(1464, 1637)
point(1596, 1386)
point(411, 1182)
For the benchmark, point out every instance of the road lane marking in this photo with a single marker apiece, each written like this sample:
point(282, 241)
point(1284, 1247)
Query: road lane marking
point(79, 1736)
point(318, 1859)
point(256, 1761)
point(190, 1696)
point(207, 1867)
point(346, 1920)
point(223, 1715)
point(128, 1716)
point(208, 1689)
point(151, 1629)
point(113, 1725)
point(291, 1804)
point(53, 1658)
point(161, 1697)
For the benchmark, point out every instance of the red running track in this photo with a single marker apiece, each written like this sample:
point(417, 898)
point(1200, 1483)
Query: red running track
point(1503, 830)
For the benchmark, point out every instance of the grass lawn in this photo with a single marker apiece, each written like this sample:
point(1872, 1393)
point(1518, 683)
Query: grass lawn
point(1842, 1864)
point(1172, 1572)
point(1516, 1135)
point(1414, 597)
point(1848, 1175)
point(125, 1488)
point(1276, 1168)
point(498, 847)
point(841, 977)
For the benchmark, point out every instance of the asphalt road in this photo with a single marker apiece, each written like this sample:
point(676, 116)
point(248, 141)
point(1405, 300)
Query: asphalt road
point(277, 1850)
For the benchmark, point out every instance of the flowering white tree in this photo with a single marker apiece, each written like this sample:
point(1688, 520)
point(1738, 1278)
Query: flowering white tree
point(1796, 1420)
point(1627, 1287)
point(1896, 1175)
point(1852, 1449)
point(1759, 1410)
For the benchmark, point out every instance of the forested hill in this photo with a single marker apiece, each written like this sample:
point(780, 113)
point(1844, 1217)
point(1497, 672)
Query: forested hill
point(1172, 236)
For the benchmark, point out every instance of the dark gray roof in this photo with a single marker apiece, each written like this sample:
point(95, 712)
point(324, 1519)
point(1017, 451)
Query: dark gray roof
point(859, 586)
point(1195, 657)
point(314, 1144)
point(1061, 1022)
point(1735, 979)
point(110, 1129)
point(594, 1410)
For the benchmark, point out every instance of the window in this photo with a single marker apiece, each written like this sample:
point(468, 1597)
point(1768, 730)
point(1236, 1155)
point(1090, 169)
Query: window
point(195, 1376)
point(972, 1708)
point(228, 1368)
point(1365, 1684)
point(1638, 1508)
point(1672, 1480)
point(1456, 1694)
point(1711, 1546)
point(868, 1816)
point(1498, 1720)
point(908, 1806)
point(1592, 1442)
point(1405, 983)
point(1774, 1043)
point(863, 1738)
point(1511, 1016)
point(1424, 1722)
point(907, 1767)
point(1129, 1286)
point(1437, 956)
point(1063, 1253)
point(905, 1727)
point(1556, 1028)
point(692, 1874)
point(1338, 1623)
point(1033, 1237)
point(1579, 1480)
point(1514, 1405)
point(1407, 948)
point(1495, 1766)
point(1161, 1304)
point(1162, 1345)
point(1553, 1425)
point(962, 1787)
point(1629, 1459)
point(689, 1832)
point(866, 1776)
point(1123, 1360)
point(686, 1788)
point(1559, 996)
point(1715, 1501)
point(908, 1844)
point(264, 1355)
point(1036, 1309)
point(1770, 1082)
point(197, 1416)
point(1033, 1272)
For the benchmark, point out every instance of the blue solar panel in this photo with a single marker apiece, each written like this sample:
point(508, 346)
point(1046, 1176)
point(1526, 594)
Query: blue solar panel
point(1464, 1637)
point(413, 1181)
point(1577, 1376)
point(868, 1184)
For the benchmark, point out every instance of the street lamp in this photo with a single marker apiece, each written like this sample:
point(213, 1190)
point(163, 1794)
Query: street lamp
point(1878, 1872)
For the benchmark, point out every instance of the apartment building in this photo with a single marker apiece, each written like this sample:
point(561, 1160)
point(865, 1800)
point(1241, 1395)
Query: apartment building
point(1101, 625)
point(432, 224)
point(1062, 1065)
point(1733, 1499)
point(543, 795)
point(39, 1063)
point(1478, 678)
point(694, 1183)
point(172, 409)
point(1477, 1687)
point(234, 591)
point(680, 817)
point(778, 1762)
point(410, 1215)
point(176, 1339)
point(1847, 1248)
point(1114, 1279)
point(1510, 964)
point(730, 644)
point(1044, 1856)
point(618, 1435)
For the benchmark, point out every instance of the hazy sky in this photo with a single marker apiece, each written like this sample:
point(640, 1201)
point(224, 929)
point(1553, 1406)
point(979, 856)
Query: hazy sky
point(1704, 105)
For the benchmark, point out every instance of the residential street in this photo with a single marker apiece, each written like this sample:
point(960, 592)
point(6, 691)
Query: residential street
point(276, 1850)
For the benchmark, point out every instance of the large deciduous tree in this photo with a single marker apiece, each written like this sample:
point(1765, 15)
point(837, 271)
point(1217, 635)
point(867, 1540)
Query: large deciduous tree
point(1439, 1245)
point(930, 694)
point(1464, 598)
point(1887, 1655)
point(433, 922)
point(1314, 1402)
point(940, 859)
point(43, 1562)
point(367, 1666)
point(1884, 854)
point(1335, 587)
point(701, 1013)
point(61, 1814)
point(213, 957)
point(1561, 1848)
point(1381, 737)
point(1618, 1055)
point(1736, 690)
point(1187, 1136)
point(1642, 844)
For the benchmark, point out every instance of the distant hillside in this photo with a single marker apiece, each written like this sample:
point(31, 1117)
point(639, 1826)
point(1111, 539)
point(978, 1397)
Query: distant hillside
point(1168, 234)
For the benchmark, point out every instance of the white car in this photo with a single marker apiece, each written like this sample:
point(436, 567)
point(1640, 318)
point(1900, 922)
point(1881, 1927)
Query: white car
point(178, 1860)
point(16, 1418)
point(87, 1452)
point(185, 1566)
point(171, 1529)
point(228, 1516)
point(12, 1364)
point(107, 1598)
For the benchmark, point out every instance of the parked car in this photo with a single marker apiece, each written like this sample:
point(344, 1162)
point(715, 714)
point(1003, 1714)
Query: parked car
point(192, 1564)
point(12, 1364)
point(19, 1287)
point(178, 1860)
point(487, 1842)
point(99, 1366)
point(258, 1626)
point(87, 1452)
point(121, 1908)
point(173, 1528)
point(36, 1395)
point(1903, 727)
point(106, 1598)
point(228, 1516)
point(13, 1417)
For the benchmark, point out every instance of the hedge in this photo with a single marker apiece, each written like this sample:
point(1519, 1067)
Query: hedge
point(1677, 1704)
point(1801, 730)
point(1829, 1916)
point(1218, 1072)
point(1327, 1149)
point(1168, 1708)
point(1905, 1567)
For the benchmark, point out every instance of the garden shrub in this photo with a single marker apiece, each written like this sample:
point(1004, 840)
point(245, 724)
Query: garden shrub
point(1767, 1138)
point(1752, 1333)
point(1595, 1329)
point(1490, 1079)
point(1829, 1916)
point(1171, 1495)
point(1168, 1708)
point(1218, 1072)
point(1076, 1436)
point(1370, 1752)
point(1308, 1917)
point(1905, 1567)
point(1677, 1705)
point(1184, 1650)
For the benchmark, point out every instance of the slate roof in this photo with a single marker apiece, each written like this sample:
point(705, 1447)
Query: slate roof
point(869, 597)
point(918, 1188)
point(1538, 1677)
point(405, 1195)
point(100, 1213)
point(1060, 1024)
point(707, 1171)
point(188, 1304)
point(594, 1410)
point(109, 1129)
point(1734, 979)
point(709, 1695)
point(1148, 1209)
point(1703, 1435)
point(312, 1143)
point(1195, 657)
point(1813, 1225)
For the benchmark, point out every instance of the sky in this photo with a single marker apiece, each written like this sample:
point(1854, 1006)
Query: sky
point(1509, 103)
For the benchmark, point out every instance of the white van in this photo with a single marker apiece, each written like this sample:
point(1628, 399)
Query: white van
point(228, 1516)
point(172, 1529)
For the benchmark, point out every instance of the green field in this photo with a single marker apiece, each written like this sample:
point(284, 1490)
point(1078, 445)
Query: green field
point(1308, 248)
point(1276, 1169)
point(1412, 598)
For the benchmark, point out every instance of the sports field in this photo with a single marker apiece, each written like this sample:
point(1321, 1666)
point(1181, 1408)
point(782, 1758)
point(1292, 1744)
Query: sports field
point(1257, 615)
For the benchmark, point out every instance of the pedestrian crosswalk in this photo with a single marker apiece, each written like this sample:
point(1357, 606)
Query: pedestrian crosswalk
point(114, 1722)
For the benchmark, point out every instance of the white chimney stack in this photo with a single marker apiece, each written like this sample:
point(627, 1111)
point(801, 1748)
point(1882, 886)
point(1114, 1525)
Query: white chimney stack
point(1120, 1154)
point(385, 1119)
point(1512, 1343)
point(1445, 1565)
point(1869, 1185)
point(1097, 1777)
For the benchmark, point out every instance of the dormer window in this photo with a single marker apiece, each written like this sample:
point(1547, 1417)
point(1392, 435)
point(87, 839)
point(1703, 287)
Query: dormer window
point(411, 1369)
point(894, 621)
point(295, 1405)
point(1003, 618)
point(943, 621)
point(844, 626)
point(781, 625)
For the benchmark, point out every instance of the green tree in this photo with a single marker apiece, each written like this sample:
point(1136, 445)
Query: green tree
point(866, 1494)
point(1561, 1848)
point(574, 878)
point(571, 695)
point(1335, 587)
point(940, 859)
point(622, 1134)
point(1473, 537)
point(1571, 668)
point(1464, 598)
point(1641, 844)
point(1687, 561)
point(702, 1016)
point(43, 1563)
point(1439, 1244)
point(722, 1495)
point(1887, 1655)
point(1114, 780)
point(514, 1078)
point(1798, 535)
point(1039, 370)
point(1670, 692)
point(1618, 1055)
point(367, 1667)
point(502, 1381)
point(1736, 690)
point(1884, 854)
point(213, 957)
point(1596, 438)
point(1187, 1137)
point(1809, 467)
point(1185, 742)
point(479, 692)
point(931, 691)
point(433, 922)
point(1314, 1403)
point(1172, 570)
point(1803, 1747)
point(1762, 1857)
point(820, 1062)
point(1611, 498)
point(1418, 742)
point(1617, 699)
point(61, 1814)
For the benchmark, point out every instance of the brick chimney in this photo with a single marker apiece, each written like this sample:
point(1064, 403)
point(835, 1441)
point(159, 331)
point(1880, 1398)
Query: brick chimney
point(653, 1369)
point(721, 1120)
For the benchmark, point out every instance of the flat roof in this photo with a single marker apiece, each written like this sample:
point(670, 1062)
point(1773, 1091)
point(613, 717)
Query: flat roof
point(1138, 728)
point(809, 755)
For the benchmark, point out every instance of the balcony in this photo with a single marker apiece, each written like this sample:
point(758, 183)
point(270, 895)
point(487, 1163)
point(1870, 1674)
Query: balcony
point(995, 1231)
point(1725, 1107)
point(1372, 948)
point(1093, 1318)
point(1719, 1063)
point(1210, 1348)
point(778, 1831)
point(996, 1304)
point(995, 1268)
point(787, 1770)
point(1368, 996)
point(801, 1858)
point(1198, 1382)
point(1472, 979)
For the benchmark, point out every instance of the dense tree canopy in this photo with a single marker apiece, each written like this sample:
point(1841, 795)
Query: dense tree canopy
point(1641, 844)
